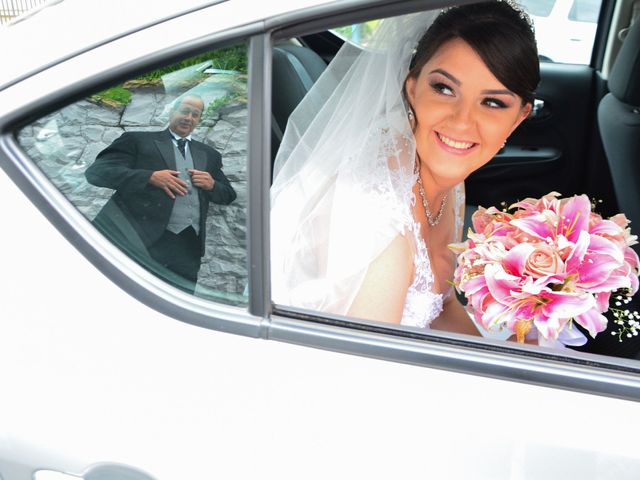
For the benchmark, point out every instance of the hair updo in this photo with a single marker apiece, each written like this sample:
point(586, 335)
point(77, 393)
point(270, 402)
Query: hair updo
point(497, 33)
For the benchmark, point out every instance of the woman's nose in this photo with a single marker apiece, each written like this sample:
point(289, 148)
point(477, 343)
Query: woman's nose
point(462, 115)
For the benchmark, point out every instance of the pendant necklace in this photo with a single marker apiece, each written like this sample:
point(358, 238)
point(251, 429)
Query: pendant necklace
point(432, 221)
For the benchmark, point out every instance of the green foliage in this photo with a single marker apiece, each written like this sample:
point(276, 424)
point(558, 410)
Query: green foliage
point(218, 103)
point(358, 33)
point(115, 96)
point(231, 58)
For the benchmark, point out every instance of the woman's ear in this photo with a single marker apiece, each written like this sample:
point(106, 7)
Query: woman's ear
point(410, 89)
point(524, 113)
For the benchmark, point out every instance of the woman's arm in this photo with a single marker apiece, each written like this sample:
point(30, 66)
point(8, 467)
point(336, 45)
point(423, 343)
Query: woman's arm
point(454, 318)
point(384, 289)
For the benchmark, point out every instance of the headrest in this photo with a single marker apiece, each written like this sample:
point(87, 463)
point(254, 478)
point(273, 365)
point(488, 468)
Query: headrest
point(624, 79)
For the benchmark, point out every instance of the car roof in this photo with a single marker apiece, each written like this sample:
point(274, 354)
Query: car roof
point(65, 28)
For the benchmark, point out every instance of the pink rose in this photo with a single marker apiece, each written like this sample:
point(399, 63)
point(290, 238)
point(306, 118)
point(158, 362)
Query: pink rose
point(543, 261)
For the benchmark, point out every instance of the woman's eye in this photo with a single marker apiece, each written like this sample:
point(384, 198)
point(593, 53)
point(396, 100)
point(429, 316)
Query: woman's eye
point(494, 103)
point(442, 88)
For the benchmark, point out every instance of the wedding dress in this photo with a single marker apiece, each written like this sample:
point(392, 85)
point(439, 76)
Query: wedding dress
point(422, 304)
point(343, 181)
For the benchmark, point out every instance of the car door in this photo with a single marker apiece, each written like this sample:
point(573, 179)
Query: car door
point(109, 371)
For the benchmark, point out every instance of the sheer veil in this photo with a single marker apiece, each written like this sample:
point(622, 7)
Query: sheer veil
point(344, 173)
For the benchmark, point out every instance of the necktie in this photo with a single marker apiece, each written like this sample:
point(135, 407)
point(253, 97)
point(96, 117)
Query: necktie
point(181, 143)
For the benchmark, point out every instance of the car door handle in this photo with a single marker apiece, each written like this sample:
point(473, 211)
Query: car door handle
point(538, 110)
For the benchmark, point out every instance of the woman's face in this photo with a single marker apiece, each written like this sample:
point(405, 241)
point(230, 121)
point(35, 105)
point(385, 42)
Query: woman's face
point(463, 113)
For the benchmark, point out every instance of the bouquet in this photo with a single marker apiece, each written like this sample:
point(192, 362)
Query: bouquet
point(546, 263)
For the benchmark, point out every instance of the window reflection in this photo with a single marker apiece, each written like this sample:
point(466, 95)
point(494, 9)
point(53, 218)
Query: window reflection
point(125, 206)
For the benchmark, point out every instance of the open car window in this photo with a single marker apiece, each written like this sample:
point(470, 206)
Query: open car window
point(536, 155)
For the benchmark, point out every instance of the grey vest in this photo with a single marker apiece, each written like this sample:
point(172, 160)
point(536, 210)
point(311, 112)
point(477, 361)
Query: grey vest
point(186, 209)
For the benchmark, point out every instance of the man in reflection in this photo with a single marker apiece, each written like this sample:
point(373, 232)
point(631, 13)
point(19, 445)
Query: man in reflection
point(163, 184)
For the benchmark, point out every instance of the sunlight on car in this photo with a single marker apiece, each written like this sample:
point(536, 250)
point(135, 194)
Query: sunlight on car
point(565, 29)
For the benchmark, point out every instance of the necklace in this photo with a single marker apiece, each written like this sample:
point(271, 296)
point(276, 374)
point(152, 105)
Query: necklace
point(432, 221)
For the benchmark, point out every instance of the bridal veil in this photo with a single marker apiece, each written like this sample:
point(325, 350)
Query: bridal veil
point(344, 173)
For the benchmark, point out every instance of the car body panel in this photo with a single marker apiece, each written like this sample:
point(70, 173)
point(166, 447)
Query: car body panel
point(93, 371)
point(91, 375)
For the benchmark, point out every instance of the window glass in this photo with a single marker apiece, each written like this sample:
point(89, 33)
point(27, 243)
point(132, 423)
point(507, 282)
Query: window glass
point(565, 29)
point(117, 155)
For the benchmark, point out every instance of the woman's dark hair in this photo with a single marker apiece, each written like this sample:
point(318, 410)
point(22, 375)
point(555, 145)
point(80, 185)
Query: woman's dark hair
point(497, 32)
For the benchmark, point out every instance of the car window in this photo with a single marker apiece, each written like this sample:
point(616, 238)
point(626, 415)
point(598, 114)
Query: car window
point(117, 155)
point(565, 29)
point(310, 272)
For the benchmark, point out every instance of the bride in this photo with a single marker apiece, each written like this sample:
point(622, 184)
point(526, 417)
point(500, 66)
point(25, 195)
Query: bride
point(368, 190)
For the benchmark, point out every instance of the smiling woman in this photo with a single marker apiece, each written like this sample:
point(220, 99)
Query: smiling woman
point(364, 211)
point(464, 114)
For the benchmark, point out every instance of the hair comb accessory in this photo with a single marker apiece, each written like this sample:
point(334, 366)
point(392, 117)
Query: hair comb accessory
point(522, 13)
point(519, 9)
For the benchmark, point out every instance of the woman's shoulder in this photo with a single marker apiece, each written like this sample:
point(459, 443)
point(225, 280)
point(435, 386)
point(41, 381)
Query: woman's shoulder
point(381, 295)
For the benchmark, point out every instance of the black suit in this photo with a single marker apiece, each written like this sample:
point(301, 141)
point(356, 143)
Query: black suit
point(137, 215)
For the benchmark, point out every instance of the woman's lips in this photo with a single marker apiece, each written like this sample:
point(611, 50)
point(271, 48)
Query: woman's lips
point(458, 147)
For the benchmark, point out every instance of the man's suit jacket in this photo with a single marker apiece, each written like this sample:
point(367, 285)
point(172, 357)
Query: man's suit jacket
point(126, 166)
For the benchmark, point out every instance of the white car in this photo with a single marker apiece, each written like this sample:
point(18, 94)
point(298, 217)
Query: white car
point(108, 372)
point(565, 29)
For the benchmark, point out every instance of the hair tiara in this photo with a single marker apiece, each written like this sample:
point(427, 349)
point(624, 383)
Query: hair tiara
point(519, 9)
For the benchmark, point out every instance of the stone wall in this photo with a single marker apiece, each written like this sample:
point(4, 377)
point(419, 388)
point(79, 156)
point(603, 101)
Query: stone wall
point(66, 142)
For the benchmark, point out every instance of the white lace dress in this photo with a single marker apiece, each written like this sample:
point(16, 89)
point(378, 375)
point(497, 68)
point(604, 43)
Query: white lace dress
point(328, 224)
point(422, 304)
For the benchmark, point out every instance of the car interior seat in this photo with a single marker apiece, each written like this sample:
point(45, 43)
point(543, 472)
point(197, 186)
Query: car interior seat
point(619, 123)
point(295, 70)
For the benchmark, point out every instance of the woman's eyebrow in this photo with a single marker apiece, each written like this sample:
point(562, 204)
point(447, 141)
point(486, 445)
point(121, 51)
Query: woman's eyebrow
point(498, 92)
point(446, 74)
point(484, 92)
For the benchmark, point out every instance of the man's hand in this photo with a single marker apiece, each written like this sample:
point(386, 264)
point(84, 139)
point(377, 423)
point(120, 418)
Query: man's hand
point(168, 181)
point(201, 179)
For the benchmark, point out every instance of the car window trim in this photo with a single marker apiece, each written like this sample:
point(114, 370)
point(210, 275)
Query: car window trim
point(455, 353)
point(259, 176)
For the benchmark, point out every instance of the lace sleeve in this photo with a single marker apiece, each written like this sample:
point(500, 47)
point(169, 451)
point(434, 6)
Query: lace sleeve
point(459, 208)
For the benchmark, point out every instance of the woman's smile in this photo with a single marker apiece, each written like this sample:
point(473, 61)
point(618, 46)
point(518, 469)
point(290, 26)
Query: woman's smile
point(457, 147)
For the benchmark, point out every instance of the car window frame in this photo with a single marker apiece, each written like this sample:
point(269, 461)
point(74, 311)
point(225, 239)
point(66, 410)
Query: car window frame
point(589, 373)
